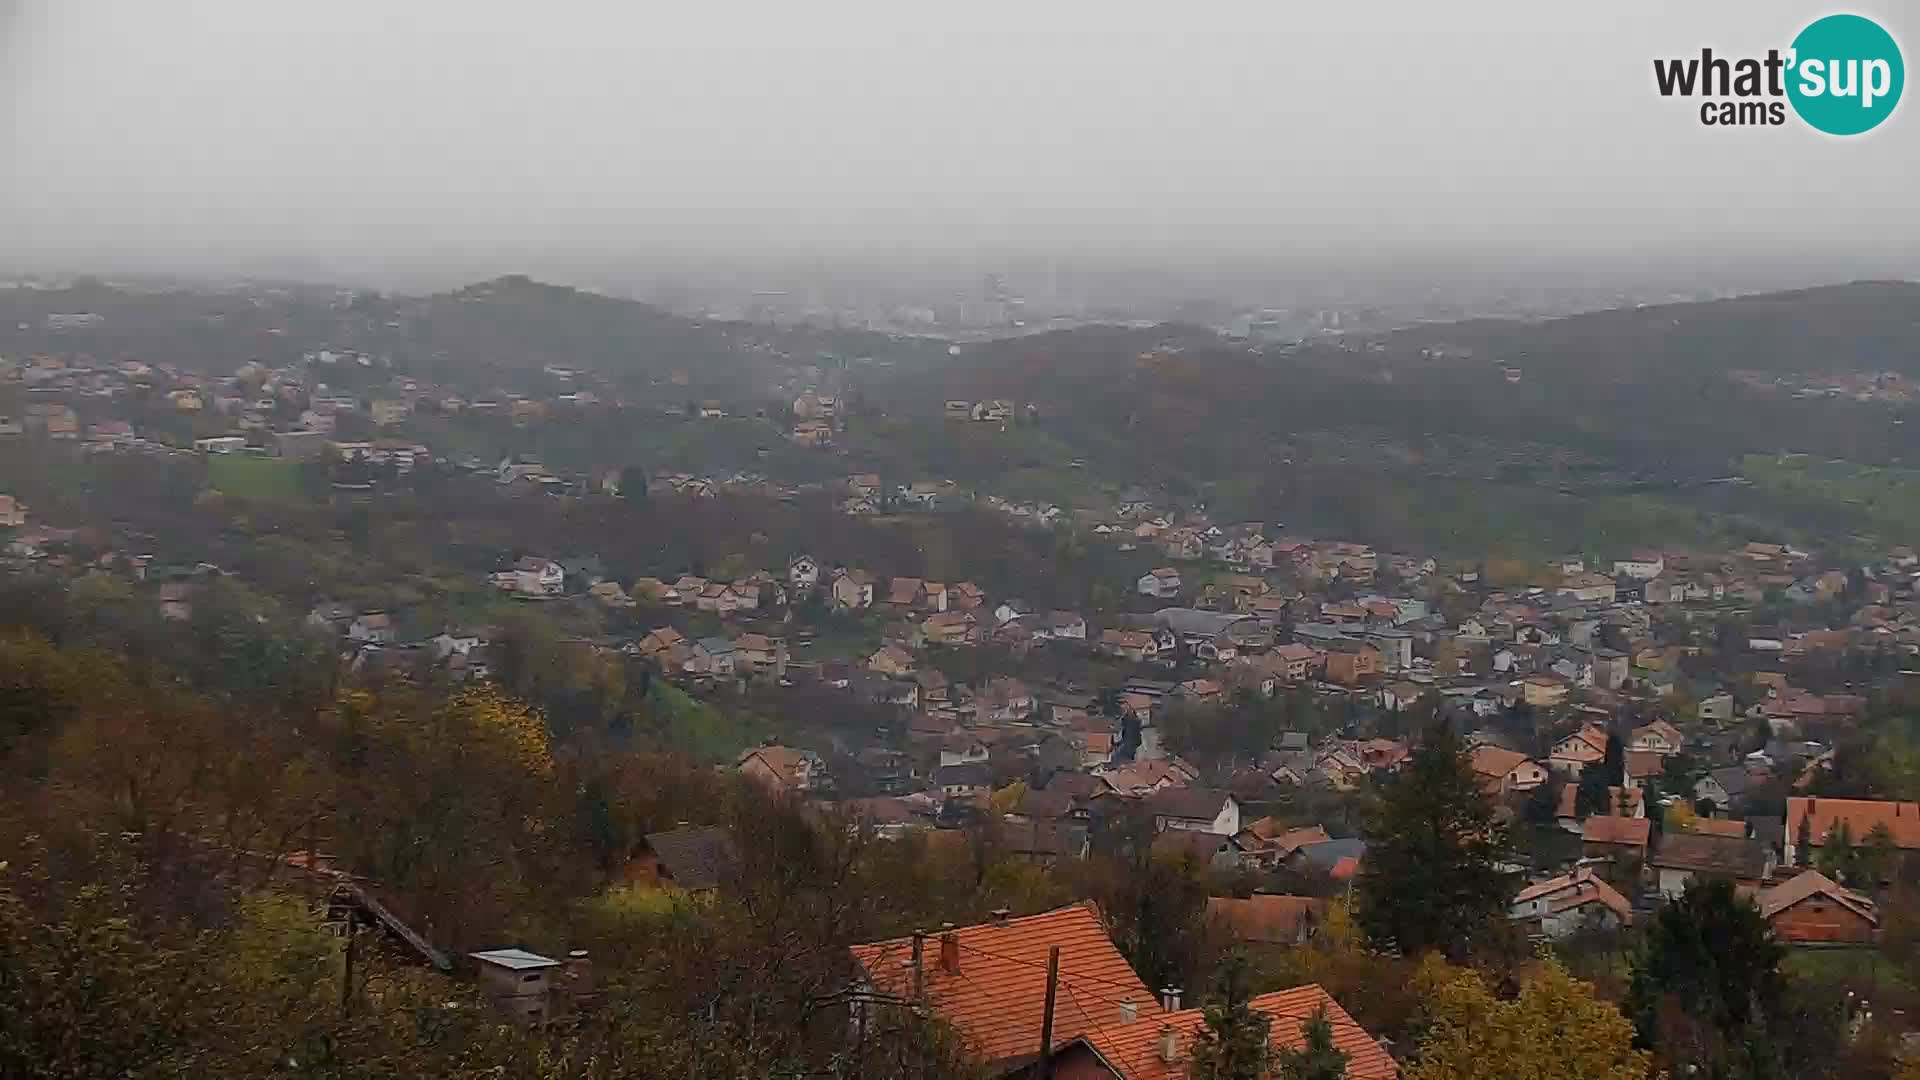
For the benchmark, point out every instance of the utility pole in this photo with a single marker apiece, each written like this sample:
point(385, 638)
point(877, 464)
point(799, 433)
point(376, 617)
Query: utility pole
point(1046, 1021)
point(346, 982)
point(919, 976)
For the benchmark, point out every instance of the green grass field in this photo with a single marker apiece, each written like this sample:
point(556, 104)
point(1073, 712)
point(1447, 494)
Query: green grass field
point(695, 728)
point(1841, 492)
point(253, 477)
point(1863, 970)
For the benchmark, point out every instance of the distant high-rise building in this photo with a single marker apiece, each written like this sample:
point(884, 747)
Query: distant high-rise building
point(994, 290)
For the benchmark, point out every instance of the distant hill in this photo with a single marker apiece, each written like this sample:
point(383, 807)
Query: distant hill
point(514, 323)
point(1625, 399)
point(1868, 325)
point(508, 325)
point(1458, 435)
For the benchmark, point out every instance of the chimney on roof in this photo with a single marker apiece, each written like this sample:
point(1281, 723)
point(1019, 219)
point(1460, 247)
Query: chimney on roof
point(1169, 1044)
point(1000, 915)
point(1170, 998)
point(950, 952)
point(1129, 1011)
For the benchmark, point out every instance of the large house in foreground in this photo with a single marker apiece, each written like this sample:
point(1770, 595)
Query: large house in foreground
point(990, 983)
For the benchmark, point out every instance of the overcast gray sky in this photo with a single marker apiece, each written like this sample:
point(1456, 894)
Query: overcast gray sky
point(371, 128)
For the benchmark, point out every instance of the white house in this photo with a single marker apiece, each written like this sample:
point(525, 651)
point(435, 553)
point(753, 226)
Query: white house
point(1658, 737)
point(1501, 770)
point(1724, 787)
point(712, 656)
point(533, 577)
point(1643, 566)
point(1162, 584)
point(1565, 905)
point(372, 628)
point(1588, 746)
point(803, 573)
point(1685, 856)
point(1717, 708)
point(852, 590)
point(1062, 626)
point(962, 751)
point(1399, 695)
point(1395, 646)
point(449, 643)
point(1195, 809)
point(964, 781)
point(1588, 588)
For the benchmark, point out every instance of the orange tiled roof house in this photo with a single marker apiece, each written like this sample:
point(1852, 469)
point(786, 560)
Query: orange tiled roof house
point(989, 982)
point(1816, 822)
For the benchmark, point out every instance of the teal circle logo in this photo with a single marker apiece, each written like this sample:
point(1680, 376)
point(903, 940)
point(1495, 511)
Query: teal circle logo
point(1846, 74)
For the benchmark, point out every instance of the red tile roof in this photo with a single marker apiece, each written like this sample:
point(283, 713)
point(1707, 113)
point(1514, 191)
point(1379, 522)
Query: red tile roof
point(1705, 853)
point(1591, 744)
point(1809, 884)
point(1575, 890)
point(1191, 843)
point(1133, 1050)
point(996, 997)
point(787, 767)
point(1644, 764)
point(1666, 731)
point(1266, 919)
point(1269, 832)
point(1608, 829)
point(1861, 815)
point(1496, 762)
point(1718, 827)
point(1187, 803)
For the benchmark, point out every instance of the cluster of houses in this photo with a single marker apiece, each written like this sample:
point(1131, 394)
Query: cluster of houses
point(1576, 635)
point(1543, 677)
point(290, 411)
point(1803, 905)
point(1624, 864)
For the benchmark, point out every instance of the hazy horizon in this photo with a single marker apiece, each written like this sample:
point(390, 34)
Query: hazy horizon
point(442, 140)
